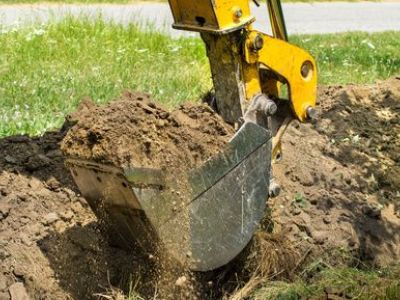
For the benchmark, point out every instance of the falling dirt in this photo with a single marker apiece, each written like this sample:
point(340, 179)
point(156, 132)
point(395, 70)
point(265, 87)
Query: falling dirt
point(340, 181)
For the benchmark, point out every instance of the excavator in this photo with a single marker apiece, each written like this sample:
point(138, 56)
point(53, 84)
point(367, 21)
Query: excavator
point(261, 83)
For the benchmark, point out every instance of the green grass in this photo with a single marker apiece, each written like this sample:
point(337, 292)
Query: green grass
point(46, 70)
point(353, 57)
point(343, 282)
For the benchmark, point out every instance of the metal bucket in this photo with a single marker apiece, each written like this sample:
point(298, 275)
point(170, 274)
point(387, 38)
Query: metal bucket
point(203, 218)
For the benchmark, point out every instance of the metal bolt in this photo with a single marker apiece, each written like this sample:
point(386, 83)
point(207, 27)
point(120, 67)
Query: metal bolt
point(311, 113)
point(270, 107)
point(238, 13)
point(257, 43)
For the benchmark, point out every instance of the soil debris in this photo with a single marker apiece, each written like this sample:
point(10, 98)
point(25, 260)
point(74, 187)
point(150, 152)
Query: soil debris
point(338, 202)
point(18, 292)
point(337, 176)
point(135, 131)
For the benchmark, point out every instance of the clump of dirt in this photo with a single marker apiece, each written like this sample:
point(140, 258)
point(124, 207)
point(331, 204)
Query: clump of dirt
point(135, 131)
point(338, 204)
point(52, 246)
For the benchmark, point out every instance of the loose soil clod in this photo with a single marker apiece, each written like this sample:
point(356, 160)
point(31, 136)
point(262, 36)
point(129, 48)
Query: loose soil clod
point(339, 191)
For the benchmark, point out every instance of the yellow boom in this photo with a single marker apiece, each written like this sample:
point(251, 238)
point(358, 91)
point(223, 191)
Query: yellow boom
point(246, 63)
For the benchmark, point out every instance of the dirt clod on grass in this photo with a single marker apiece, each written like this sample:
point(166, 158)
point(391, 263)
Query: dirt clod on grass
point(339, 204)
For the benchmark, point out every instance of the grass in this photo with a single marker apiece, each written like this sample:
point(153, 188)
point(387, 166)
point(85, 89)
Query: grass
point(45, 70)
point(338, 283)
point(353, 57)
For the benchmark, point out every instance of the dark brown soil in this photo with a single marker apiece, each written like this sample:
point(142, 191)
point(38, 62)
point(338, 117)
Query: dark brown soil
point(136, 131)
point(340, 180)
point(340, 176)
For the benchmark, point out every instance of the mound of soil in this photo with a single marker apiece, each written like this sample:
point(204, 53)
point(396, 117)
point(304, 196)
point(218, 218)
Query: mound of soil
point(338, 203)
point(135, 131)
point(43, 223)
point(340, 176)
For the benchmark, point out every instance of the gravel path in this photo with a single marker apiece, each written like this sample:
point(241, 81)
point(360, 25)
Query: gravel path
point(329, 17)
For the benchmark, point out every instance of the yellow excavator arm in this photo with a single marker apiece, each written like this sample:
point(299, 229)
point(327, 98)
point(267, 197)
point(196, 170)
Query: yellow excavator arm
point(247, 64)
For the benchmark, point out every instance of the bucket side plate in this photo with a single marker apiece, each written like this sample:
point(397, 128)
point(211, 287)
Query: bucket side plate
point(111, 198)
point(224, 218)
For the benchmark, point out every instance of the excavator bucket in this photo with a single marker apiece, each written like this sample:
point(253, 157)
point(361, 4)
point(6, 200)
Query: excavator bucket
point(203, 218)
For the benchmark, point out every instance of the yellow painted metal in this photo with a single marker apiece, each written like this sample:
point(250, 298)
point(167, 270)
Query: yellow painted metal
point(251, 78)
point(296, 67)
point(218, 16)
point(251, 74)
point(291, 64)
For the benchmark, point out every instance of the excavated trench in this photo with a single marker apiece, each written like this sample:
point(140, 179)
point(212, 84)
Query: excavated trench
point(340, 179)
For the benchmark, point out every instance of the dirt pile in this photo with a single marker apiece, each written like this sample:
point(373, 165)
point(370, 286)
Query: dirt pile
point(340, 177)
point(367, 138)
point(338, 203)
point(340, 199)
point(43, 222)
point(135, 131)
